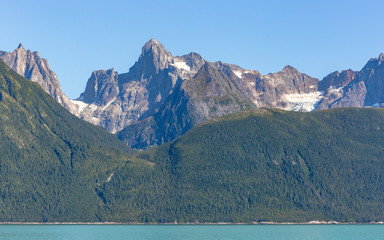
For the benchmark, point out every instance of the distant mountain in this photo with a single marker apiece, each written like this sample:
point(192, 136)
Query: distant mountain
point(211, 93)
point(51, 161)
point(288, 90)
point(162, 96)
point(360, 89)
point(259, 166)
point(219, 89)
point(337, 80)
point(253, 166)
point(31, 66)
point(115, 100)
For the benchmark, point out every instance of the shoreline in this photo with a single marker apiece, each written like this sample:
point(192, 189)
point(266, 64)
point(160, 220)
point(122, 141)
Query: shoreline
point(195, 223)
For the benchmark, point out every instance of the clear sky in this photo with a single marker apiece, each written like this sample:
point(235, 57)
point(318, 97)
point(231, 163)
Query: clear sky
point(80, 36)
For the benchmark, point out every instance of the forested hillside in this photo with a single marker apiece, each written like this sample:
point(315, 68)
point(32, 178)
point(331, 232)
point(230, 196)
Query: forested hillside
point(264, 165)
point(50, 161)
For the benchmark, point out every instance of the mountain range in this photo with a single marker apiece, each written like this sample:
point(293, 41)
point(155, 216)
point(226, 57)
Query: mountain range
point(162, 96)
point(260, 165)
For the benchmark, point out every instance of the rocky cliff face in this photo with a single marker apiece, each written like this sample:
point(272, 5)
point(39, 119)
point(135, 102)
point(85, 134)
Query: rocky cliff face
point(31, 66)
point(332, 87)
point(288, 89)
point(158, 83)
point(116, 100)
point(373, 77)
point(337, 80)
point(215, 90)
point(163, 96)
point(355, 89)
point(102, 87)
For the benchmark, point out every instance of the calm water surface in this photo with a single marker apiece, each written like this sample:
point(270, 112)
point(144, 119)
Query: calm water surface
point(201, 232)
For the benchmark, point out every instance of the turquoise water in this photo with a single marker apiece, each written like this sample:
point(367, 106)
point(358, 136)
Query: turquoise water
point(201, 232)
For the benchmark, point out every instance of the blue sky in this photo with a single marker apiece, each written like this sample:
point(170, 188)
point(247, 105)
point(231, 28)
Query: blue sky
point(78, 37)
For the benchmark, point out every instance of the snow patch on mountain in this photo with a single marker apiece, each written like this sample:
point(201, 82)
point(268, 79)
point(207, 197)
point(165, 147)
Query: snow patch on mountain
point(302, 101)
point(80, 105)
point(181, 65)
point(239, 74)
point(251, 86)
point(335, 89)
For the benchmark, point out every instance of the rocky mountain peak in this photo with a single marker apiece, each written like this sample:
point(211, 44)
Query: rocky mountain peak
point(193, 60)
point(152, 42)
point(364, 88)
point(153, 46)
point(217, 80)
point(115, 100)
point(337, 80)
point(381, 57)
point(349, 75)
point(377, 60)
point(155, 53)
point(289, 69)
point(20, 46)
point(194, 56)
point(101, 87)
point(31, 66)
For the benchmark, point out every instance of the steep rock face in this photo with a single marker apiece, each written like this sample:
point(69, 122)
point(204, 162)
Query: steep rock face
point(116, 100)
point(353, 96)
point(101, 87)
point(162, 96)
point(31, 66)
point(211, 93)
point(337, 80)
point(217, 89)
point(333, 86)
point(150, 80)
point(373, 77)
point(364, 88)
point(288, 89)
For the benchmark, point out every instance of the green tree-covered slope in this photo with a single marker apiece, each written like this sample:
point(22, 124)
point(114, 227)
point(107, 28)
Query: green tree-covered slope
point(264, 165)
point(50, 161)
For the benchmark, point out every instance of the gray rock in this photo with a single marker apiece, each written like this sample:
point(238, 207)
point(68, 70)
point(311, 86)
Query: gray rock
point(31, 66)
point(163, 96)
point(373, 77)
point(337, 80)
point(353, 97)
point(101, 88)
point(280, 90)
point(216, 90)
point(116, 100)
point(363, 89)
